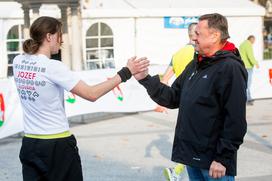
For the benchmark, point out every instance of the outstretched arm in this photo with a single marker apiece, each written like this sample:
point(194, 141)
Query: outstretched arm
point(160, 93)
point(93, 92)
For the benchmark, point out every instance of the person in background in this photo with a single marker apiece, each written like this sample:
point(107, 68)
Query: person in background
point(49, 150)
point(247, 55)
point(211, 97)
point(182, 57)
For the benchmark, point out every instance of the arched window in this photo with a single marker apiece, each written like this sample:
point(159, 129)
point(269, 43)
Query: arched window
point(99, 47)
point(14, 45)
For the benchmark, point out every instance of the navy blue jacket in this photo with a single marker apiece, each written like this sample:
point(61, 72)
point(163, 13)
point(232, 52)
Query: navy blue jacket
point(211, 97)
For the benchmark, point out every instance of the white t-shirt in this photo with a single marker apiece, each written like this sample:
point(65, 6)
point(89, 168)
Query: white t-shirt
point(40, 83)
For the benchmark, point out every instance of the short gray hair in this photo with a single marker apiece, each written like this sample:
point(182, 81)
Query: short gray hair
point(190, 28)
point(218, 22)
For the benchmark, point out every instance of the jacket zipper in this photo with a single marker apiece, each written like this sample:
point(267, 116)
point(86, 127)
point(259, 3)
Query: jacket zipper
point(193, 74)
point(192, 78)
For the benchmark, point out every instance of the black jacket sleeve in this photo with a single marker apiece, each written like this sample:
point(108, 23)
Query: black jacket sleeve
point(232, 91)
point(162, 94)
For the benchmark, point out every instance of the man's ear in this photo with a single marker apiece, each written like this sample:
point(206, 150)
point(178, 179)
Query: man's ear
point(216, 36)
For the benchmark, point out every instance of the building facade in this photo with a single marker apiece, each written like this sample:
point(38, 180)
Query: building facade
point(102, 34)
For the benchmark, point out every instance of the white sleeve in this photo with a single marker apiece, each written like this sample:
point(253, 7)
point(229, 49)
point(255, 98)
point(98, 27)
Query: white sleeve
point(61, 75)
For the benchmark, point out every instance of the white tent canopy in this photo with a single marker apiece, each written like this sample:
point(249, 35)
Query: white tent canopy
point(154, 8)
point(151, 8)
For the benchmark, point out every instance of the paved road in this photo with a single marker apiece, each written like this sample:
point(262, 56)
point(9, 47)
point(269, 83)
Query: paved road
point(136, 147)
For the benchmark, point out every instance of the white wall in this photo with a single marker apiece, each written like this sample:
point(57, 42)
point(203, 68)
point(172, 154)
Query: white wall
point(157, 42)
point(123, 37)
point(141, 37)
point(241, 27)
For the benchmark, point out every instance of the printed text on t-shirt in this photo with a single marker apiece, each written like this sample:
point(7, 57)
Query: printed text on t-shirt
point(26, 75)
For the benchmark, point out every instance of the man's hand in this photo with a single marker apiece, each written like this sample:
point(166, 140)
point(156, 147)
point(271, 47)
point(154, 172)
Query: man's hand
point(257, 66)
point(137, 65)
point(217, 170)
point(141, 75)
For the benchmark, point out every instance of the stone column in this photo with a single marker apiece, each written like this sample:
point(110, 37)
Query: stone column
point(76, 37)
point(26, 21)
point(35, 10)
point(65, 49)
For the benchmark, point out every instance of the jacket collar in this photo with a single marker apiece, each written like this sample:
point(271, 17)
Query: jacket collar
point(228, 50)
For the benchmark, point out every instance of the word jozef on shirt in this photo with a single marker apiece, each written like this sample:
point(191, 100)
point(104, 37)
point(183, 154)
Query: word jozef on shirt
point(26, 75)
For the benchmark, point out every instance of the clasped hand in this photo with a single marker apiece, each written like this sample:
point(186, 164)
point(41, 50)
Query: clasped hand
point(138, 67)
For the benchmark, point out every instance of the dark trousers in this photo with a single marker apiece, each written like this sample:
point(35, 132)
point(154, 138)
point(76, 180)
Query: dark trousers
point(50, 159)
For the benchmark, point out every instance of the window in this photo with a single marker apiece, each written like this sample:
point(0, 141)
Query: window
point(267, 35)
point(14, 45)
point(99, 47)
